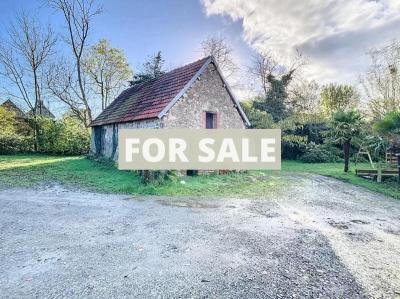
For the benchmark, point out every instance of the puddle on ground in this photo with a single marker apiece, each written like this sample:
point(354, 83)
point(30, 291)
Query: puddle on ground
point(271, 214)
point(132, 198)
point(392, 231)
point(264, 211)
point(359, 221)
point(187, 204)
point(108, 232)
point(361, 237)
point(339, 224)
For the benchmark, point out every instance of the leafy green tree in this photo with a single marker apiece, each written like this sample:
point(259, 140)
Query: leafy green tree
point(389, 125)
point(152, 68)
point(344, 127)
point(292, 141)
point(12, 123)
point(258, 119)
point(109, 70)
point(67, 136)
point(336, 97)
point(7, 121)
point(274, 102)
point(273, 79)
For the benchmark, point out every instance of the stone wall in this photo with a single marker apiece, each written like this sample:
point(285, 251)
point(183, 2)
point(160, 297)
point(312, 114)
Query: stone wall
point(206, 94)
point(108, 149)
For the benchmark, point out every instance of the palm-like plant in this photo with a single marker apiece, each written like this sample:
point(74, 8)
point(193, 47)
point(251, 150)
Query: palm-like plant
point(389, 127)
point(344, 127)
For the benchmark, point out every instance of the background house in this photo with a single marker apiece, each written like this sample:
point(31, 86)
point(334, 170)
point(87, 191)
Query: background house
point(41, 110)
point(192, 96)
point(10, 106)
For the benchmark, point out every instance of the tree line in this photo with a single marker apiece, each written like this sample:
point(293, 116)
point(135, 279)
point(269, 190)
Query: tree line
point(86, 77)
point(318, 122)
point(34, 67)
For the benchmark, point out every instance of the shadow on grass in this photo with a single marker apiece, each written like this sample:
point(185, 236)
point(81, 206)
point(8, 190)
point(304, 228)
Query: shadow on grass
point(80, 172)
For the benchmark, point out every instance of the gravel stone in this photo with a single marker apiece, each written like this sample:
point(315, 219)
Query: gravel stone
point(318, 238)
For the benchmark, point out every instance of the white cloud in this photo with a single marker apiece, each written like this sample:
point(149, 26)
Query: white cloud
point(333, 34)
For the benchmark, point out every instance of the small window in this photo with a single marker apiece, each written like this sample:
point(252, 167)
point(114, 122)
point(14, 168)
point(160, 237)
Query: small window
point(211, 120)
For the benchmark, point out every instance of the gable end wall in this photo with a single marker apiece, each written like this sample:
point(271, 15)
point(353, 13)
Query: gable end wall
point(206, 94)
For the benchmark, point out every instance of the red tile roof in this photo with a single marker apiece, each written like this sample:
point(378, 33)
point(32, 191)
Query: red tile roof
point(148, 99)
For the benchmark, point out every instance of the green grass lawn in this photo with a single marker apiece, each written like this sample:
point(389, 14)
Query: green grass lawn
point(30, 170)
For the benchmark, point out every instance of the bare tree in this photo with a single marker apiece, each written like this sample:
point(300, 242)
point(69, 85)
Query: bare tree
point(274, 80)
point(218, 47)
point(304, 97)
point(265, 67)
point(382, 80)
point(71, 86)
point(62, 84)
point(23, 57)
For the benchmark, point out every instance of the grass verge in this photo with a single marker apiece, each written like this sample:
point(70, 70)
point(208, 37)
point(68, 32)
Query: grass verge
point(30, 170)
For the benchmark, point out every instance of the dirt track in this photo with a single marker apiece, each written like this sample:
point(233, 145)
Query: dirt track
point(318, 238)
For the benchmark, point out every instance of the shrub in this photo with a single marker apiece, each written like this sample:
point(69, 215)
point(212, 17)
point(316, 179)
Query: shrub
point(74, 138)
point(322, 153)
point(292, 150)
point(7, 121)
point(390, 124)
point(295, 140)
point(66, 136)
point(13, 143)
point(48, 131)
point(11, 123)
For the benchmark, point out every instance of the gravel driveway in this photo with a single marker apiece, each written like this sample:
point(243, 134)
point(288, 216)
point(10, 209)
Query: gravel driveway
point(318, 238)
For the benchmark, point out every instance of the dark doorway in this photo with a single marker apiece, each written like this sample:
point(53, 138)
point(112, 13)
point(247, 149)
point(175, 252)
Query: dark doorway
point(114, 140)
point(210, 120)
point(98, 139)
point(192, 172)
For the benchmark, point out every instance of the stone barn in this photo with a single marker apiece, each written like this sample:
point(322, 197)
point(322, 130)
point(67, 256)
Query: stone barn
point(193, 96)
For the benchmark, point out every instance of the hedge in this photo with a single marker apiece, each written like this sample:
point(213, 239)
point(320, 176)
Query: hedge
point(63, 137)
point(13, 143)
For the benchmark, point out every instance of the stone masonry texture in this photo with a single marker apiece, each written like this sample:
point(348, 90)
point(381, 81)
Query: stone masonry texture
point(207, 94)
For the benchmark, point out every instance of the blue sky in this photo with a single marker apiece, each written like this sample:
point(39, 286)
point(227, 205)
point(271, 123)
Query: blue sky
point(334, 35)
point(141, 28)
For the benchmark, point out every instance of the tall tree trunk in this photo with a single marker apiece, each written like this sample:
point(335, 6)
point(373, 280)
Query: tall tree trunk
point(346, 151)
point(36, 111)
point(35, 134)
point(83, 92)
point(103, 99)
